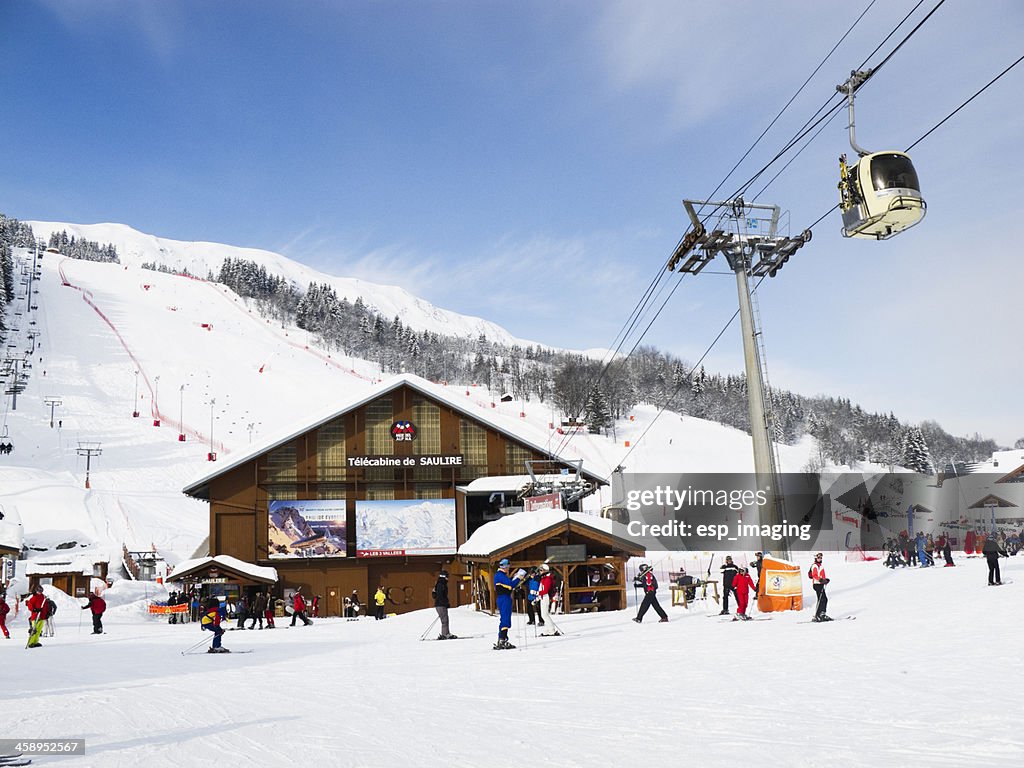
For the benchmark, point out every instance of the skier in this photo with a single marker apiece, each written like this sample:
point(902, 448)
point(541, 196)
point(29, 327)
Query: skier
point(818, 580)
point(758, 566)
point(4, 610)
point(36, 605)
point(299, 608)
point(211, 621)
point(242, 611)
point(532, 603)
point(947, 552)
point(268, 614)
point(352, 605)
point(503, 587)
point(545, 591)
point(992, 552)
point(379, 598)
point(645, 579)
point(259, 607)
point(316, 606)
point(922, 556)
point(97, 605)
point(441, 605)
point(742, 584)
point(729, 571)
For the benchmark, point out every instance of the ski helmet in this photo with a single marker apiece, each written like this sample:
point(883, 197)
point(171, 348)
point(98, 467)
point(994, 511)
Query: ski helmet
point(443, 574)
point(504, 563)
point(545, 567)
point(644, 568)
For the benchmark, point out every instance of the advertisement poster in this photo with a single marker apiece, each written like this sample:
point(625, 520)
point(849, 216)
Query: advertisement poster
point(313, 528)
point(409, 527)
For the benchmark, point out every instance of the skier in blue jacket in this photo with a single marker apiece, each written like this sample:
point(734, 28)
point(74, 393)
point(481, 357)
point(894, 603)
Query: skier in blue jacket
point(503, 587)
point(921, 555)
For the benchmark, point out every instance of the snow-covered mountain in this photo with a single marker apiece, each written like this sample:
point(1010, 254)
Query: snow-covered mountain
point(135, 248)
point(104, 341)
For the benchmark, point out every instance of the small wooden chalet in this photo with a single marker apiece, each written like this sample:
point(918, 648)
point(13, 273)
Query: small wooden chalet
point(588, 554)
point(73, 574)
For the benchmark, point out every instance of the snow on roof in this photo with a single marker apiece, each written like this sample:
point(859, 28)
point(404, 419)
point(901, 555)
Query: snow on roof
point(499, 534)
point(12, 534)
point(78, 563)
point(372, 392)
point(263, 573)
point(513, 483)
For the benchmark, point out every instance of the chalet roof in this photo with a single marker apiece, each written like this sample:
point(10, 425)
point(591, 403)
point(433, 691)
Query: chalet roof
point(496, 537)
point(991, 500)
point(261, 573)
point(77, 563)
point(199, 488)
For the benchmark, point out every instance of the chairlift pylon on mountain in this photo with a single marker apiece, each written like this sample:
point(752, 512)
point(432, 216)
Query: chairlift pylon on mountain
point(879, 195)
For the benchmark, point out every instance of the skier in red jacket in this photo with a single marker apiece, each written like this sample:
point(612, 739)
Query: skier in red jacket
point(742, 583)
point(299, 608)
point(4, 610)
point(97, 605)
point(36, 605)
point(818, 581)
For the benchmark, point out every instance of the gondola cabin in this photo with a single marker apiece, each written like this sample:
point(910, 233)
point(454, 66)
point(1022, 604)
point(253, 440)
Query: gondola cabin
point(879, 195)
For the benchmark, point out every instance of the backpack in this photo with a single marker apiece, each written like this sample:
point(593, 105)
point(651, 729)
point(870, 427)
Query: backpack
point(50, 608)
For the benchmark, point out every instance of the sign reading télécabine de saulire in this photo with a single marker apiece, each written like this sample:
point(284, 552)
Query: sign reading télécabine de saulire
point(404, 461)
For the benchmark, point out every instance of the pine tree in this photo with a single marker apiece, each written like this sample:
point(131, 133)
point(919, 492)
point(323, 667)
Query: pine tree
point(595, 413)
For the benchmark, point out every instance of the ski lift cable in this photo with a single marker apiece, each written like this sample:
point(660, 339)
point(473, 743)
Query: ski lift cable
point(810, 125)
point(656, 285)
point(639, 308)
point(834, 109)
point(792, 99)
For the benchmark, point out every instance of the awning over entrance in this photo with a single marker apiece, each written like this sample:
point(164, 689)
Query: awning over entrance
point(223, 568)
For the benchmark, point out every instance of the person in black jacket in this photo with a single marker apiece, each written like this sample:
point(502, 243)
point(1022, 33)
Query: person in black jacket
point(441, 604)
point(729, 570)
point(645, 579)
point(992, 552)
point(259, 607)
point(758, 565)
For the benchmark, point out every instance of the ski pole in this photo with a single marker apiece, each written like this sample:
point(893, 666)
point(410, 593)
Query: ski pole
point(193, 647)
point(427, 632)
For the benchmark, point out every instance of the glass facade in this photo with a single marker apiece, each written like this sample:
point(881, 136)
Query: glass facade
point(330, 451)
point(380, 415)
point(473, 446)
point(515, 459)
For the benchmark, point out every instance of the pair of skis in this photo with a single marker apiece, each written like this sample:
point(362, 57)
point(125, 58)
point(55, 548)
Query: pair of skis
point(14, 758)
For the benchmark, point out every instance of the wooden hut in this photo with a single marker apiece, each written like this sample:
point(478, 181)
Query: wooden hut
point(72, 574)
point(588, 554)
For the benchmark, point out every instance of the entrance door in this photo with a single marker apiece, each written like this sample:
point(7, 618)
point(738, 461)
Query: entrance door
point(333, 601)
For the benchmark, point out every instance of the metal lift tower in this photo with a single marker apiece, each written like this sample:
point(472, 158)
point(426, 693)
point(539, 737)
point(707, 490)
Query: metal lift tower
point(751, 244)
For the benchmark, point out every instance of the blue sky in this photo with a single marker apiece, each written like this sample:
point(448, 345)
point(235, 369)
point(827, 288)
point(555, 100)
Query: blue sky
point(525, 162)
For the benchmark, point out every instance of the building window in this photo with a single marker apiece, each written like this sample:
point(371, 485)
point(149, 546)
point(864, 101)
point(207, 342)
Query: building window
point(515, 459)
point(380, 416)
point(281, 464)
point(473, 444)
point(427, 418)
point(330, 491)
point(330, 451)
point(421, 491)
point(282, 493)
point(380, 493)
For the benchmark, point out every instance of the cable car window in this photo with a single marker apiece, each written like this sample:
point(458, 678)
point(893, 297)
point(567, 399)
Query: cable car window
point(893, 172)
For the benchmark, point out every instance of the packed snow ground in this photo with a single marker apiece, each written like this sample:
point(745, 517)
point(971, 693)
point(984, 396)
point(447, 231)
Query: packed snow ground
point(927, 675)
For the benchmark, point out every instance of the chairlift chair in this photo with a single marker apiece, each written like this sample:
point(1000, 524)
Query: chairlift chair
point(879, 195)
